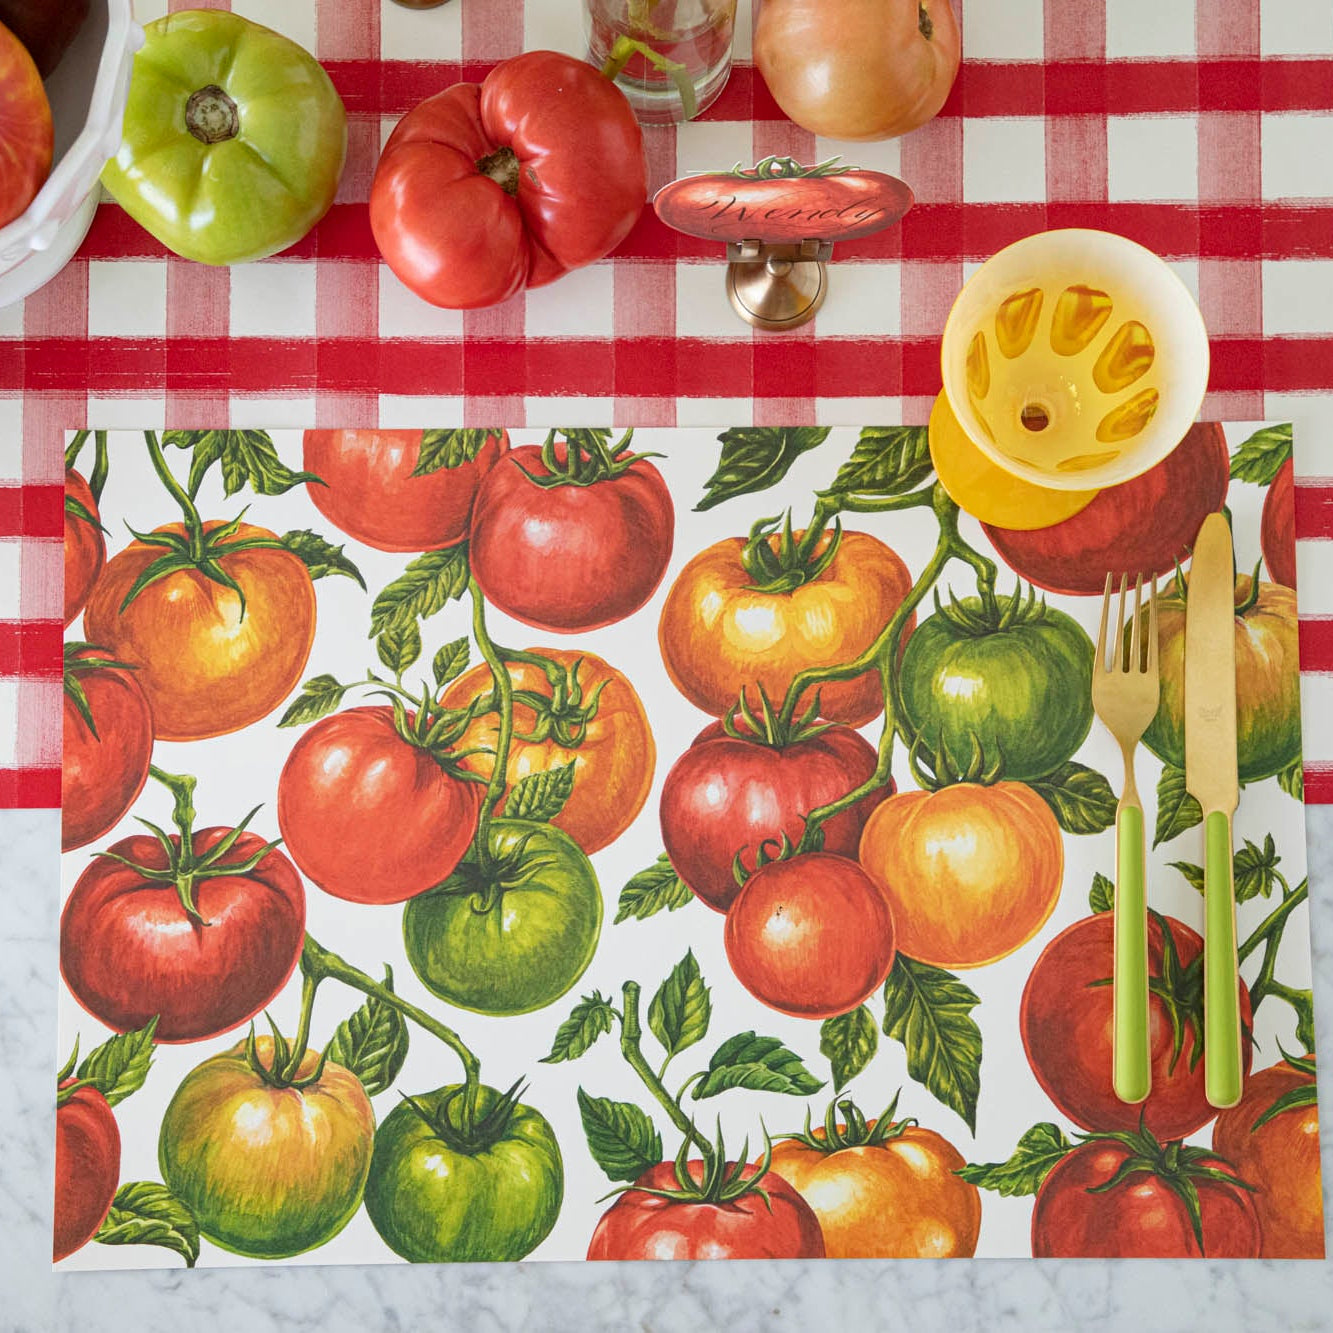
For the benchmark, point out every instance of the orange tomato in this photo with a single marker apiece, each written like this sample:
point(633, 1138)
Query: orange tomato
point(1281, 1159)
point(858, 69)
point(208, 667)
point(899, 1199)
point(972, 873)
point(719, 633)
point(613, 752)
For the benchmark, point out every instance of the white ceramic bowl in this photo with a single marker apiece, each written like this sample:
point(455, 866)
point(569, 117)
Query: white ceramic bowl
point(87, 92)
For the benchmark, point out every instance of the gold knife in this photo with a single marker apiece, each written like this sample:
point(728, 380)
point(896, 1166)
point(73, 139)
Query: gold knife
point(1210, 776)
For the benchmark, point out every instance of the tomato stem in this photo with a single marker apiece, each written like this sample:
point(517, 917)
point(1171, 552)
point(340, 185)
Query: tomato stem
point(626, 48)
point(504, 698)
point(194, 525)
point(75, 446)
point(1269, 933)
point(101, 465)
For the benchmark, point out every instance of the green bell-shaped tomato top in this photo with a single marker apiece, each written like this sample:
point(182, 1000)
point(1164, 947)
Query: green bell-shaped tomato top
point(281, 135)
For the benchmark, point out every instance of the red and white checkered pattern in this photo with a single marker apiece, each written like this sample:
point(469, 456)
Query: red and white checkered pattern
point(1201, 128)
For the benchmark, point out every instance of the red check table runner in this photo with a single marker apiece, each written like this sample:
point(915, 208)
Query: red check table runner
point(1200, 128)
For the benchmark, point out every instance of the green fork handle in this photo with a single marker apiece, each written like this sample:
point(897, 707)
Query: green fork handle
point(1221, 1001)
point(1131, 1070)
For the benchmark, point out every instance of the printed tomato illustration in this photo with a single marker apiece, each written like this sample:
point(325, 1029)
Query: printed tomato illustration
point(369, 814)
point(1132, 1198)
point(1271, 1139)
point(740, 785)
point(1065, 1021)
point(1268, 687)
point(589, 716)
point(811, 936)
point(85, 547)
point(572, 535)
point(210, 658)
point(1277, 531)
point(758, 612)
point(205, 940)
point(1011, 676)
point(971, 873)
point(87, 1168)
point(1143, 526)
point(269, 1169)
point(108, 744)
point(512, 935)
point(439, 1193)
point(400, 490)
point(882, 1189)
point(677, 1223)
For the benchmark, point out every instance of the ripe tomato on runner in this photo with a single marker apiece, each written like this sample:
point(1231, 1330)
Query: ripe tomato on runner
point(971, 873)
point(209, 662)
point(85, 546)
point(572, 535)
point(27, 135)
point(87, 1168)
point(756, 613)
point(591, 718)
point(367, 814)
point(400, 490)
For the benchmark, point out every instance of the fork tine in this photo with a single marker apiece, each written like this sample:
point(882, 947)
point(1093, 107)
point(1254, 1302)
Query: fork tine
point(1152, 627)
point(1120, 662)
point(1101, 633)
point(1136, 637)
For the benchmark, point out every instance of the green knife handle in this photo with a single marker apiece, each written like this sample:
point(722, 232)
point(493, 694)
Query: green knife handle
point(1131, 1069)
point(1221, 1002)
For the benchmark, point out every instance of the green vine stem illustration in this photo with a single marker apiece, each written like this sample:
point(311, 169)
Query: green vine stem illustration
point(1268, 933)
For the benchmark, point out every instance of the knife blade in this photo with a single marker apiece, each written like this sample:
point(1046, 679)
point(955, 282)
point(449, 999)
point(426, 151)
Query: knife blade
point(1211, 778)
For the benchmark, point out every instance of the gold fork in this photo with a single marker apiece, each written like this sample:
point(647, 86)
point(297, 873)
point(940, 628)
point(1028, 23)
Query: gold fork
point(1125, 694)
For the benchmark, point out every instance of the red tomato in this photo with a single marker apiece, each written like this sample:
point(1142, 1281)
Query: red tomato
point(85, 547)
point(1142, 1217)
point(368, 816)
point(129, 950)
point(27, 137)
point(640, 1225)
point(726, 795)
point(87, 1168)
point(485, 189)
point(102, 772)
point(1143, 526)
point(570, 557)
point(811, 936)
point(371, 494)
point(1065, 1021)
point(1277, 532)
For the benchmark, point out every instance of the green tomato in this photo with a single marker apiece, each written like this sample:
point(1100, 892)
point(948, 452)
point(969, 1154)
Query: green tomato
point(1014, 678)
point(511, 936)
point(234, 139)
point(440, 1194)
point(267, 1172)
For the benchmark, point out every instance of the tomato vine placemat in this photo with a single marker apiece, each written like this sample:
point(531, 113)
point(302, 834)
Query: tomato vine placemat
point(482, 845)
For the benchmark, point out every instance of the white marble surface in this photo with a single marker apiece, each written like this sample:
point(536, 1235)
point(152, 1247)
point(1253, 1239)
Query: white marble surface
point(1160, 1296)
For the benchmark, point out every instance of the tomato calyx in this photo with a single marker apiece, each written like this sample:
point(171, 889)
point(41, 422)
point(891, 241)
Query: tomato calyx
point(286, 1060)
point(583, 458)
point(77, 664)
point(486, 877)
point(1307, 1094)
point(936, 767)
point(431, 727)
point(771, 850)
point(1176, 1164)
point(986, 614)
point(211, 116)
point(502, 167)
point(782, 561)
point(1250, 598)
point(563, 715)
point(775, 167)
point(186, 869)
point(770, 728)
point(925, 25)
point(719, 1181)
point(855, 1132)
point(466, 1133)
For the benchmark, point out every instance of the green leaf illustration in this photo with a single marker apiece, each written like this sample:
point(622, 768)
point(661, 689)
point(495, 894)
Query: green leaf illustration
point(755, 458)
point(1292, 779)
point(1080, 798)
point(372, 1043)
point(248, 458)
point(1177, 810)
point(1101, 897)
point(421, 589)
point(887, 460)
point(541, 796)
point(119, 1067)
point(621, 1138)
point(762, 1064)
point(929, 1011)
point(1261, 457)
point(678, 1014)
point(319, 556)
point(450, 662)
point(147, 1213)
point(849, 1043)
point(450, 448)
point(399, 646)
point(319, 696)
point(588, 1020)
point(1253, 869)
point(1037, 1152)
point(657, 889)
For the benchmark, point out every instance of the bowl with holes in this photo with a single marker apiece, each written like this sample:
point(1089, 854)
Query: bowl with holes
point(87, 92)
point(1075, 359)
